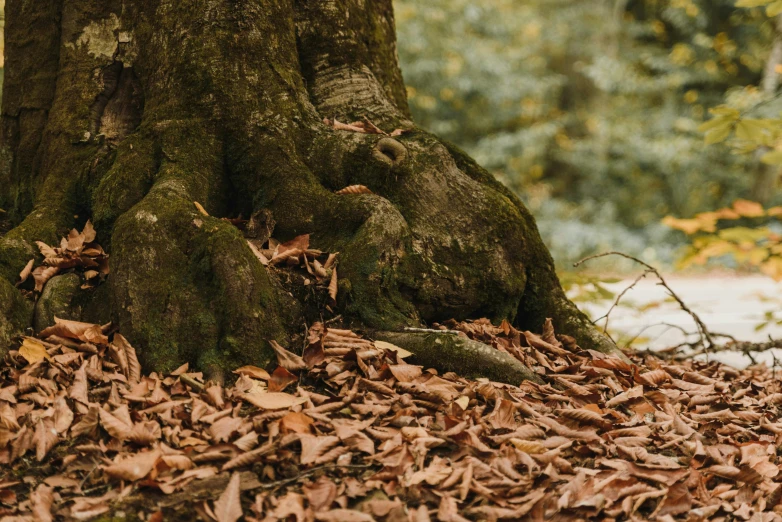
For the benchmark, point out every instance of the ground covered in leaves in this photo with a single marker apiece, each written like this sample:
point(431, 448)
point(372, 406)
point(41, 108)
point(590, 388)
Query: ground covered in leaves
point(346, 430)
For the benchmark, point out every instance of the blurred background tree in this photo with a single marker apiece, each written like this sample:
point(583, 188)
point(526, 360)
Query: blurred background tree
point(590, 109)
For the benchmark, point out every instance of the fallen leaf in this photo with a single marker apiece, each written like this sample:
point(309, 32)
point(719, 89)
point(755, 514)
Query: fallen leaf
point(134, 467)
point(354, 189)
point(288, 360)
point(32, 350)
point(333, 285)
point(25, 273)
point(200, 208)
point(253, 372)
point(400, 352)
point(41, 501)
point(228, 508)
point(273, 400)
point(281, 379)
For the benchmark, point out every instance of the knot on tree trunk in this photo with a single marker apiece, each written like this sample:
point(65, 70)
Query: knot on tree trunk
point(233, 119)
point(390, 151)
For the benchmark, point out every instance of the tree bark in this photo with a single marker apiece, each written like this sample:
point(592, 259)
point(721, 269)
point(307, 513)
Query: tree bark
point(126, 113)
point(767, 176)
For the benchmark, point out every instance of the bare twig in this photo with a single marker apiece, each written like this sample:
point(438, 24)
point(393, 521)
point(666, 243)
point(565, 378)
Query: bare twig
point(191, 382)
point(431, 330)
point(669, 327)
point(703, 330)
point(305, 474)
point(607, 315)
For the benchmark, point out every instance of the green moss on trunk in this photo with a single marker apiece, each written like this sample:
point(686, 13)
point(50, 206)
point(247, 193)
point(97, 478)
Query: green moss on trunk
point(234, 97)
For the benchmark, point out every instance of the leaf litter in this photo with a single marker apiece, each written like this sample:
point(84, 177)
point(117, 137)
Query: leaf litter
point(77, 250)
point(347, 430)
point(362, 435)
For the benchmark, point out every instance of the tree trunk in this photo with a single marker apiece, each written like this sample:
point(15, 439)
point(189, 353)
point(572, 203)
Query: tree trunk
point(126, 113)
point(766, 176)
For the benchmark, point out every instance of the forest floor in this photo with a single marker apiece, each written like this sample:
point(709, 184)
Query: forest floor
point(346, 430)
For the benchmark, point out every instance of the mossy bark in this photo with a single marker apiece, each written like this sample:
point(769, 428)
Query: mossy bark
point(127, 112)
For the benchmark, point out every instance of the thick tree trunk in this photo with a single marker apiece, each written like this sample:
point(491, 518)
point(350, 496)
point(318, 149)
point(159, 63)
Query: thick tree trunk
point(127, 112)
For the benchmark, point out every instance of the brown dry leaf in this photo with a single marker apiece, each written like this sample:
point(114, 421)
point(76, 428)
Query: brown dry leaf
point(528, 446)
point(745, 474)
point(25, 273)
point(337, 125)
point(401, 352)
point(63, 416)
point(281, 379)
point(343, 515)
point(354, 438)
point(288, 360)
point(45, 438)
point(200, 208)
point(32, 350)
point(321, 493)
point(115, 426)
point(258, 254)
point(228, 508)
point(273, 400)
point(300, 243)
point(215, 395)
point(134, 467)
point(179, 462)
point(88, 232)
point(403, 372)
point(91, 333)
point(134, 366)
point(41, 501)
point(223, 429)
point(253, 372)
point(88, 422)
point(654, 378)
point(354, 189)
point(296, 422)
point(247, 442)
point(145, 433)
point(42, 274)
point(314, 446)
point(621, 398)
point(333, 285)
point(47, 251)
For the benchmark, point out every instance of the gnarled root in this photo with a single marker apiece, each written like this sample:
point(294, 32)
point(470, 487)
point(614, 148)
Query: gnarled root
point(453, 353)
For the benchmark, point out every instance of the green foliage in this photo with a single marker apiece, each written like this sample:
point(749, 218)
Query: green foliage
point(586, 288)
point(595, 107)
point(747, 233)
point(773, 7)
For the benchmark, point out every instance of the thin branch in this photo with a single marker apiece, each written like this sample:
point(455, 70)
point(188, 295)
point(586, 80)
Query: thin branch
point(305, 474)
point(191, 382)
point(702, 328)
point(619, 298)
point(430, 330)
point(669, 327)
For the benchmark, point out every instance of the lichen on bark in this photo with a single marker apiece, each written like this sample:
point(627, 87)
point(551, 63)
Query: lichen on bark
point(139, 110)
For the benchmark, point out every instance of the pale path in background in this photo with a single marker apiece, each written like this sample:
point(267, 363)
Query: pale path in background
point(730, 305)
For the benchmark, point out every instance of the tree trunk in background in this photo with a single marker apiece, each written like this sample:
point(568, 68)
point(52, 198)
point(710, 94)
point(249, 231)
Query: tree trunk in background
point(126, 113)
point(766, 177)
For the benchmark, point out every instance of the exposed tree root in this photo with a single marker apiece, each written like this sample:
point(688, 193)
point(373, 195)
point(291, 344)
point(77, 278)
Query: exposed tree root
point(134, 122)
point(454, 353)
